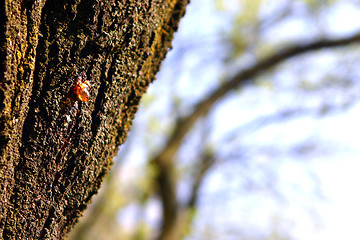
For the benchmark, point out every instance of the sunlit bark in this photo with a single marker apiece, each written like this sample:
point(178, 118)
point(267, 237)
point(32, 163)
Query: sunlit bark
point(55, 148)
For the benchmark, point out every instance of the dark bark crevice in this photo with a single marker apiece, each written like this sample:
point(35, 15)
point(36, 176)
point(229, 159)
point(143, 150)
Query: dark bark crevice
point(55, 149)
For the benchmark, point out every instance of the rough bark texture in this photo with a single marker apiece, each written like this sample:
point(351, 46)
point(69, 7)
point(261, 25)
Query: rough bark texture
point(55, 150)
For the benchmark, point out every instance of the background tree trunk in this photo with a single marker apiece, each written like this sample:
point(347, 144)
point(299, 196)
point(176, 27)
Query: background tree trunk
point(54, 149)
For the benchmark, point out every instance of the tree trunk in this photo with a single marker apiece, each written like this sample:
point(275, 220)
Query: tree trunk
point(55, 147)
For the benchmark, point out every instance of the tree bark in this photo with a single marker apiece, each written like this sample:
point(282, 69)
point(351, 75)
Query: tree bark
point(55, 149)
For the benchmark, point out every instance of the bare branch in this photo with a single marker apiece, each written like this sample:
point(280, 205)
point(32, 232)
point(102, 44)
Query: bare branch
point(201, 109)
point(207, 161)
point(164, 160)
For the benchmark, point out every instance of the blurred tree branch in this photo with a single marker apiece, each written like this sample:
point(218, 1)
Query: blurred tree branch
point(164, 160)
point(286, 115)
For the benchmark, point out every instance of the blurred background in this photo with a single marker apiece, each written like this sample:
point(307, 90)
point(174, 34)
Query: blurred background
point(275, 156)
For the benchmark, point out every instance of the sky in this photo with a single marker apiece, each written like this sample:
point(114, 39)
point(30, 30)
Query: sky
point(315, 193)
